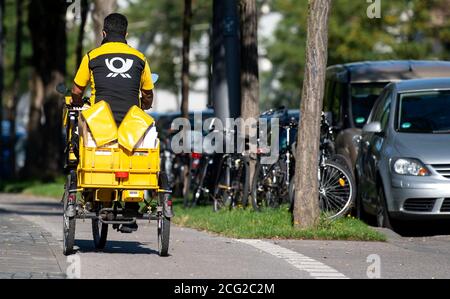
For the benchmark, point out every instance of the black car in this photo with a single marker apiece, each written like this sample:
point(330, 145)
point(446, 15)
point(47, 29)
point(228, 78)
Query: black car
point(351, 90)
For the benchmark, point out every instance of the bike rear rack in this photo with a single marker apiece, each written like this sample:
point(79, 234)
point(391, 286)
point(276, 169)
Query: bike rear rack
point(118, 219)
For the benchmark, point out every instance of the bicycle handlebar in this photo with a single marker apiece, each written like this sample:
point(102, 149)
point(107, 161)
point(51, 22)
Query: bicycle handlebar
point(85, 100)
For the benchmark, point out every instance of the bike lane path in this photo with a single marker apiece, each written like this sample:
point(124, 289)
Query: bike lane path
point(193, 254)
point(201, 255)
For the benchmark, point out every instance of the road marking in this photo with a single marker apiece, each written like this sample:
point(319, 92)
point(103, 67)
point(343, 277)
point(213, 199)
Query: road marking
point(302, 262)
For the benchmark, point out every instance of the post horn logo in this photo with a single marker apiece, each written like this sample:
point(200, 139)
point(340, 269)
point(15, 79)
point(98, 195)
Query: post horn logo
point(126, 66)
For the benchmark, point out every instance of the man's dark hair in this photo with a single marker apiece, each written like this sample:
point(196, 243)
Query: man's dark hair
point(116, 23)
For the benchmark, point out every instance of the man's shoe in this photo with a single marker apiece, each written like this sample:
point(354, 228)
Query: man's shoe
point(128, 228)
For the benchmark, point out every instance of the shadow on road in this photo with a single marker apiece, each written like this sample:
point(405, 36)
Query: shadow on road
point(31, 212)
point(44, 204)
point(423, 228)
point(130, 247)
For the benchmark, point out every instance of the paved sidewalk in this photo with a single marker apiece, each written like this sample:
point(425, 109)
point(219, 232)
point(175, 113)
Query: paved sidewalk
point(26, 250)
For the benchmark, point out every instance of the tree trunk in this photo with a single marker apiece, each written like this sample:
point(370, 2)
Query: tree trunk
point(34, 131)
point(306, 207)
point(84, 12)
point(249, 68)
point(102, 8)
point(16, 84)
point(187, 21)
point(2, 33)
point(44, 146)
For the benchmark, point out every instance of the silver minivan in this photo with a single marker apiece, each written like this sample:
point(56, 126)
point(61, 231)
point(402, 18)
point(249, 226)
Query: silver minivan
point(403, 165)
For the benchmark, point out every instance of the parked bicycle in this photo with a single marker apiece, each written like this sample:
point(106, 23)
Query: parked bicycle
point(203, 169)
point(337, 189)
point(274, 184)
point(177, 167)
point(232, 184)
point(270, 185)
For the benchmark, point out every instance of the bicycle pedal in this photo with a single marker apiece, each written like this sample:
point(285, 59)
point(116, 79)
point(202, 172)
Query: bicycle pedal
point(224, 187)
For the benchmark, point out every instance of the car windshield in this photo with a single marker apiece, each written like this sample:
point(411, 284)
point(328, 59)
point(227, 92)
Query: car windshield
point(363, 99)
point(424, 112)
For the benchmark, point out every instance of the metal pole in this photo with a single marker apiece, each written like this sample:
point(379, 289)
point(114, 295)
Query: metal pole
point(226, 60)
point(232, 57)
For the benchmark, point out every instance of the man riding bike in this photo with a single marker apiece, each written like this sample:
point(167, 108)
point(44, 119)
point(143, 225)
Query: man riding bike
point(119, 75)
point(116, 71)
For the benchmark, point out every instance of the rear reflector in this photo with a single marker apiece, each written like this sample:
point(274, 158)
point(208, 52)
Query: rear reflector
point(196, 155)
point(72, 198)
point(122, 175)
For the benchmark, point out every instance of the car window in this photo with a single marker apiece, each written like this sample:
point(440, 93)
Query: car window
point(386, 109)
point(336, 102)
point(363, 97)
point(332, 99)
point(426, 112)
point(377, 110)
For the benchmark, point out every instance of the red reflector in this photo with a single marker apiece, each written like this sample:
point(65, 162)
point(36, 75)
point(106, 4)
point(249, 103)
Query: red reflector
point(72, 198)
point(169, 203)
point(196, 155)
point(122, 175)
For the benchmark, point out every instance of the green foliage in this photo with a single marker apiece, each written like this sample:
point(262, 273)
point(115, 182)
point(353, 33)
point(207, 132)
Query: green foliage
point(35, 187)
point(286, 51)
point(407, 29)
point(271, 223)
point(158, 27)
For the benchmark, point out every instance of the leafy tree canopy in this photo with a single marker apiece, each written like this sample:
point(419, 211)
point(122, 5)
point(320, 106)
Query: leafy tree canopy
point(407, 29)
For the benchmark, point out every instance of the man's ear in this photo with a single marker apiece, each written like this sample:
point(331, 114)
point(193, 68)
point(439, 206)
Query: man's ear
point(126, 35)
point(104, 33)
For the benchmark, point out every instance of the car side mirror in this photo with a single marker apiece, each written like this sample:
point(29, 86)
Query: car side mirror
point(373, 127)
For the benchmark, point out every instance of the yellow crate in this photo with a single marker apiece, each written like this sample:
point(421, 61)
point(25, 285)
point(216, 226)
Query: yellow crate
point(143, 167)
point(98, 167)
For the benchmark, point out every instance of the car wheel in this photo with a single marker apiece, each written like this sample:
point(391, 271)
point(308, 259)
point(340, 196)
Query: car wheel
point(383, 218)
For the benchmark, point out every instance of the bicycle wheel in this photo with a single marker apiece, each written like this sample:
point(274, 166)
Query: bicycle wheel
point(69, 221)
point(240, 184)
point(246, 191)
point(163, 222)
point(186, 184)
point(292, 194)
point(257, 191)
point(68, 232)
point(336, 189)
point(99, 233)
point(199, 180)
point(222, 189)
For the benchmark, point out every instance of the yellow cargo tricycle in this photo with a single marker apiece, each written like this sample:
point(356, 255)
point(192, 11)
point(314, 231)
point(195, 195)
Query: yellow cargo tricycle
point(113, 174)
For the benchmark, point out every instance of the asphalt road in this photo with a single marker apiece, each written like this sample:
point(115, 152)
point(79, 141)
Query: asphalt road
point(31, 247)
